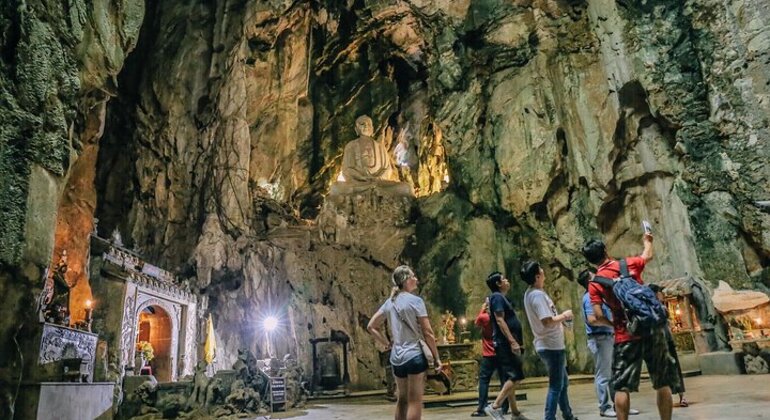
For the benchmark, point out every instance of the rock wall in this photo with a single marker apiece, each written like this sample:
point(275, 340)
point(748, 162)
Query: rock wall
point(57, 70)
point(535, 125)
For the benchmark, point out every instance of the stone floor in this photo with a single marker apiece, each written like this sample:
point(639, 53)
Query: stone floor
point(710, 397)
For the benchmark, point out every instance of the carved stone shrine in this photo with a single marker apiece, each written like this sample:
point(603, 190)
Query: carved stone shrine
point(154, 308)
point(59, 343)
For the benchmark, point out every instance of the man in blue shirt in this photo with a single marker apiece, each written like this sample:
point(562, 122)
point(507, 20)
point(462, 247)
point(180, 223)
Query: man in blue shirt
point(601, 342)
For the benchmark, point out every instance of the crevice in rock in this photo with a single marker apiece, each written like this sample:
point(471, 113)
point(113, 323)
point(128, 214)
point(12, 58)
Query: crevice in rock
point(116, 180)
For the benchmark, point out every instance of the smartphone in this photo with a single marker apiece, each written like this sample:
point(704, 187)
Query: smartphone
point(646, 226)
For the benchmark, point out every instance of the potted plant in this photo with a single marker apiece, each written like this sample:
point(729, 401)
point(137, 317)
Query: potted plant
point(144, 353)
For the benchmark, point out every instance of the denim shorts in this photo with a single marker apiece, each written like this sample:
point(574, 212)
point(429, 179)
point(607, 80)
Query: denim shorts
point(414, 366)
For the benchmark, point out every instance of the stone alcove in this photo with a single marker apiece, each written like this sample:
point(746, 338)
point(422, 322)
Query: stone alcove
point(155, 325)
point(155, 308)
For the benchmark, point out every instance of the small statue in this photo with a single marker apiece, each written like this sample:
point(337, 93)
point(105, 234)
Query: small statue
point(406, 157)
point(56, 310)
point(116, 238)
point(366, 165)
point(448, 320)
point(214, 392)
point(200, 383)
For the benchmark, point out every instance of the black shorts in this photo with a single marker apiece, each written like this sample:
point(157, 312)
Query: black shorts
point(627, 363)
point(414, 366)
point(509, 365)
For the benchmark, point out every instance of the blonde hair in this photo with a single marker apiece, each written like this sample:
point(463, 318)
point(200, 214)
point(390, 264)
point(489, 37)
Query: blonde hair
point(400, 275)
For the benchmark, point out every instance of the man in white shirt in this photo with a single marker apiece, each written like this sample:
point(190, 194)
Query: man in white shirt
point(546, 324)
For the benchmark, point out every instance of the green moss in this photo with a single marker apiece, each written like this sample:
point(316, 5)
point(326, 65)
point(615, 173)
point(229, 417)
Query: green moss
point(13, 193)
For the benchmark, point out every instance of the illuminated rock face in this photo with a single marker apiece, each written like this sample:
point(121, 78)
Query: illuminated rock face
point(533, 125)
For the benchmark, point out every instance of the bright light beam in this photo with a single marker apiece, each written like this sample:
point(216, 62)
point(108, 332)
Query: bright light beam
point(270, 323)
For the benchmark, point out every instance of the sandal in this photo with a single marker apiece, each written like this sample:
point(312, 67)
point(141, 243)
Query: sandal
point(683, 402)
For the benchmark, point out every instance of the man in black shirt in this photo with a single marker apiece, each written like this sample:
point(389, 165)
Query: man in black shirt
point(507, 338)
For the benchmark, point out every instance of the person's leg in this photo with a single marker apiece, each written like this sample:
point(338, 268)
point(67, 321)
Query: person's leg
point(486, 369)
point(402, 400)
point(566, 409)
point(677, 387)
point(622, 404)
point(665, 404)
point(593, 348)
point(509, 369)
point(516, 374)
point(506, 404)
point(626, 373)
point(603, 371)
point(663, 370)
point(509, 405)
point(414, 396)
point(552, 360)
point(504, 365)
point(507, 389)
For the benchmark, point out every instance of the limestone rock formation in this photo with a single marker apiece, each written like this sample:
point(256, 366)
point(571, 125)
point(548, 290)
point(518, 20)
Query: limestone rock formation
point(728, 300)
point(535, 124)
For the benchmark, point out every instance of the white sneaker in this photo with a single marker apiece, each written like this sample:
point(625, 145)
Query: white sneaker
point(633, 411)
point(610, 413)
point(495, 413)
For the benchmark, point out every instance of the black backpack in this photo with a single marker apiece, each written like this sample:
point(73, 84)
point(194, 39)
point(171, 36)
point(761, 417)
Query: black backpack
point(643, 310)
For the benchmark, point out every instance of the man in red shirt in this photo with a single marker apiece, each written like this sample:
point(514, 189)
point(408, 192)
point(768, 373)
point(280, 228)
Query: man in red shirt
point(630, 350)
point(487, 366)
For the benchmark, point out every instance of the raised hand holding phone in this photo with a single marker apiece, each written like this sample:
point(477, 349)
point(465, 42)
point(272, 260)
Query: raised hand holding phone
point(647, 227)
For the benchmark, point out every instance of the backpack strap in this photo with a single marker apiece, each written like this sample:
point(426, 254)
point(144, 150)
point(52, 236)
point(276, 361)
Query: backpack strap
point(624, 268)
point(604, 281)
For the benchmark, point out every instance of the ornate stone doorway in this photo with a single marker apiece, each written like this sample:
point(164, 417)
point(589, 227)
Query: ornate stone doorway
point(155, 327)
point(155, 308)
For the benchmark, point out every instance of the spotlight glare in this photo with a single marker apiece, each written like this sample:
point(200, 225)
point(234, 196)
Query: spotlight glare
point(270, 323)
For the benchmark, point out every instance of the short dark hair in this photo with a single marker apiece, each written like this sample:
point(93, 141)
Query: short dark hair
point(529, 271)
point(655, 288)
point(493, 280)
point(585, 276)
point(595, 251)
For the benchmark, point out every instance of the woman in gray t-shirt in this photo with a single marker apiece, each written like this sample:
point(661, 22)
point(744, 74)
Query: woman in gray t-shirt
point(409, 323)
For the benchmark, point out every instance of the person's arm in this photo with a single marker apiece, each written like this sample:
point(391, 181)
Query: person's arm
point(549, 321)
point(542, 308)
point(647, 253)
point(597, 319)
point(483, 317)
point(430, 339)
point(588, 310)
point(374, 329)
point(595, 299)
point(500, 320)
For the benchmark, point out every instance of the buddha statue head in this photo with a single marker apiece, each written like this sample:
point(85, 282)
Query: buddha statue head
point(364, 126)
